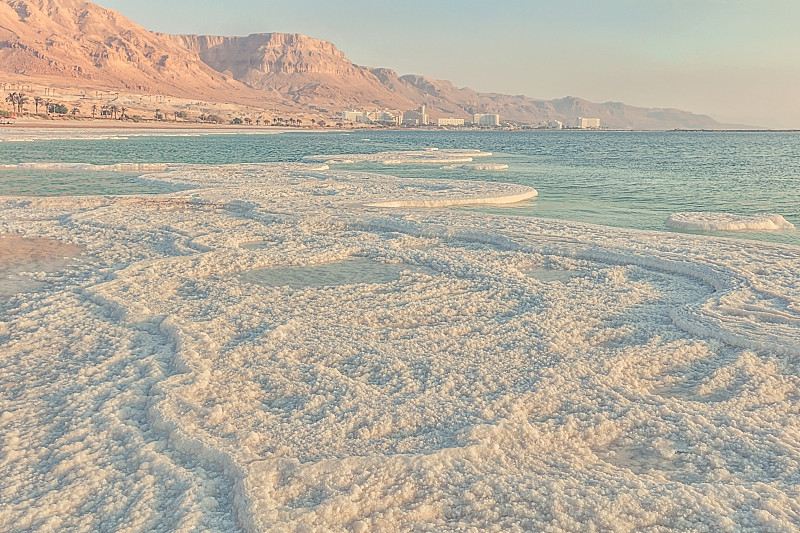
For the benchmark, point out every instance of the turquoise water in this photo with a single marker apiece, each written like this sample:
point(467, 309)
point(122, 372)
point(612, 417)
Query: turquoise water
point(347, 272)
point(625, 179)
point(28, 182)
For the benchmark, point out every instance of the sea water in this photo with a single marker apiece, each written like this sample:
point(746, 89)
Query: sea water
point(622, 179)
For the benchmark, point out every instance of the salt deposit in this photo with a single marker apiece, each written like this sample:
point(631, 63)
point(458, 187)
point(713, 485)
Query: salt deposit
point(429, 156)
point(476, 166)
point(728, 222)
point(155, 386)
point(87, 167)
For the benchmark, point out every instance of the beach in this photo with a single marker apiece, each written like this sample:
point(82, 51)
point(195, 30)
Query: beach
point(288, 346)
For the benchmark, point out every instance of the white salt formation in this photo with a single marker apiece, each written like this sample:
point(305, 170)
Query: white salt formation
point(728, 222)
point(429, 156)
point(87, 167)
point(476, 166)
point(501, 374)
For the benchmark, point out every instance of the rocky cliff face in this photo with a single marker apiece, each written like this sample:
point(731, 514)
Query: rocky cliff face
point(309, 71)
point(96, 47)
point(282, 53)
point(99, 47)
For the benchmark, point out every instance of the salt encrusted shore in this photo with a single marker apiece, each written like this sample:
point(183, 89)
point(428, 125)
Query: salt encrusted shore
point(728, 222)
point(513, 374)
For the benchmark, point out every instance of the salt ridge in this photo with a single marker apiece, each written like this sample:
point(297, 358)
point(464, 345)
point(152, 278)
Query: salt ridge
point(728, 222)
point(659, 389)
point(428, 156)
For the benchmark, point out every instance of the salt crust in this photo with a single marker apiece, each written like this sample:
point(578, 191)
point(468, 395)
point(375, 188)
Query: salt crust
point(148, 388)
point(476, 166)
point(428, 156)
point(728, 222)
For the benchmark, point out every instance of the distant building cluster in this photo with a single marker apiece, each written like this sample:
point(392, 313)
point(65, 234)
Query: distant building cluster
point(415, 117)
point(372, 117)
point(588, 123)
point(450, 121)
point(486, 119)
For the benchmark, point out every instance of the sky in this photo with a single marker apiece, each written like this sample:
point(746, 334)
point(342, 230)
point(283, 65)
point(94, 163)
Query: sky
point(736, 60)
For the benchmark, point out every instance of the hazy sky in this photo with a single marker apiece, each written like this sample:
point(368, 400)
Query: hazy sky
point(736, 60)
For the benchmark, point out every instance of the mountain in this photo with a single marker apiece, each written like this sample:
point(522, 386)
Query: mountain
point(76, 43)
point(82, 44)
point(306, 70)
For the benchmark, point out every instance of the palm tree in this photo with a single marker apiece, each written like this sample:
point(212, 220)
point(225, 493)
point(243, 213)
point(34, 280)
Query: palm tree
point(21, 101)
point(158, 114)
point(12, 99)
point(94, 110)
point(114, 110)
point(74, 111)
point(37, 101)
point(122, 110)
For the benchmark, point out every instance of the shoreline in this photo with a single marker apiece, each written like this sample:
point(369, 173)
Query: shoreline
point(123, 125)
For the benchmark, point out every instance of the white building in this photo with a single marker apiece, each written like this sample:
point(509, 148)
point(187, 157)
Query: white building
point(352, 115)
point(486, 119)
point(588, 123)
point(372, 117)
point(415, 117)
point(451, 121)
point(388, 118)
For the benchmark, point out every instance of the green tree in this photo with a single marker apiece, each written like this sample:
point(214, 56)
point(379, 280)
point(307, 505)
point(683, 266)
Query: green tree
point(21, 101)
point(12, 99)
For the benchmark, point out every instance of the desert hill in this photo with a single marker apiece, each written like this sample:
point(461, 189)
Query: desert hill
point(306, 70)
point(77, 44)
point(84, 44)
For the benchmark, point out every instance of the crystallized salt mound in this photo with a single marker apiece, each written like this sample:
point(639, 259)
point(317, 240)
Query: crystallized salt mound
point(88, 167)
point(468, 166)
point(432, 193)
point(428, 156)
point(728, 222)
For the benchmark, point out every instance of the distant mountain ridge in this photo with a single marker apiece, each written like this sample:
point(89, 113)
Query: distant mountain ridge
point(83, 44)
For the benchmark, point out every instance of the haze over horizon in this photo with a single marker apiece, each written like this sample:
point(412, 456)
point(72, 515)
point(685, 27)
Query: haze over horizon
point(736, 62)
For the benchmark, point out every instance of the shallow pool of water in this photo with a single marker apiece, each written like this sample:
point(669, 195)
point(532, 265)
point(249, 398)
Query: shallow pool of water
point(347, 272)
